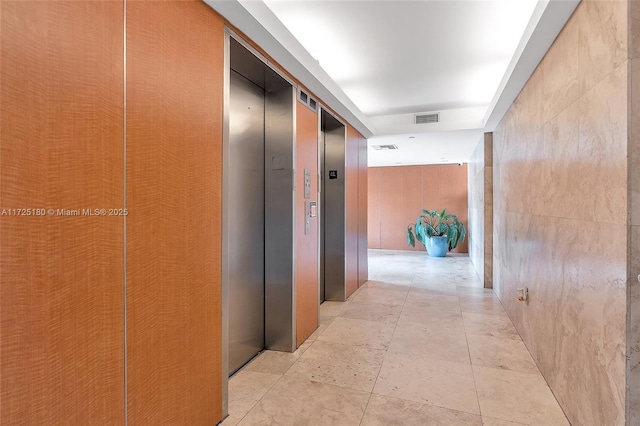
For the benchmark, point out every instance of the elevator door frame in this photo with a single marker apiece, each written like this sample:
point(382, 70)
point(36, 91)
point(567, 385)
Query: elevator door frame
point(280, 321)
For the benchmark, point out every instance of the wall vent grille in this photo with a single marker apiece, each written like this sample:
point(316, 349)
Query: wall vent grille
point(307, 100)
point(427, 118)
point(384, 147)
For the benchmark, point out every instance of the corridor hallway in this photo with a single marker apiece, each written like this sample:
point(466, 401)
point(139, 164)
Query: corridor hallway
point(421, 343)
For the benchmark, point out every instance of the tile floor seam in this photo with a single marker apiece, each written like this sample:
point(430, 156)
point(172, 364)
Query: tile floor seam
point(497, 417)
point(496, 337)
point(373, 323)
point(475, 385)
point(386, 352)
point(427, 404)
point(475, 366)
point(510, 421)
point(423, 402)
point(546, 381)
point(265, 394)
point(256, 403)
point(364, 412)
point(508, 369)
point(298, 359)
point(484, 313)
point(373, 303)
point(492, 417)
point(342, 385)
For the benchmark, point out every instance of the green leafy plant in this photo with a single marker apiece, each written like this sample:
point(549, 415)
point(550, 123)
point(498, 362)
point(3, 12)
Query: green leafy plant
point(436, 224)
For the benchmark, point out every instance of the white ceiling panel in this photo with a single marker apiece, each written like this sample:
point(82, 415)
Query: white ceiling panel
point(394, 57)
point(378, 63)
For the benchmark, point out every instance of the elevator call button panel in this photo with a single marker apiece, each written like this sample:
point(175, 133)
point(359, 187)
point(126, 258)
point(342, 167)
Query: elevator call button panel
point(307, 184)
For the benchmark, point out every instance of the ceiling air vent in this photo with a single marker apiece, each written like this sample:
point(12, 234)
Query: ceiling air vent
point(308, 101)
point(427, 118)
point(384, 147)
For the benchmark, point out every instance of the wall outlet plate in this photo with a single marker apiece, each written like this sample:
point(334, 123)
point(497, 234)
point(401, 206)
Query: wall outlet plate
point(523, 294)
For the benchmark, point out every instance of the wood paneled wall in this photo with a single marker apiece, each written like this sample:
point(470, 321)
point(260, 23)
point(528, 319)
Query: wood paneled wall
point(61, 277)
point(77, 133)
point(398, 194)
point(400, 203)
point(62, 146)
point(307, 260)
point(174, 173)
point(373, 207)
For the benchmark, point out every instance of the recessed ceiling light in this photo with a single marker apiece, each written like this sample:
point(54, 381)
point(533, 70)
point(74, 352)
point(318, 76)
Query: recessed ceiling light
point(398, 162)
point(412, 137)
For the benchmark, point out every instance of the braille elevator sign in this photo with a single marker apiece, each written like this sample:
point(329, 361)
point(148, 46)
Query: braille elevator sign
point(333, 174)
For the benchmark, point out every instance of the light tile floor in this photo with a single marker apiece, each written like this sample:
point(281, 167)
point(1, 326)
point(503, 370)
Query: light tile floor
point(421, 343)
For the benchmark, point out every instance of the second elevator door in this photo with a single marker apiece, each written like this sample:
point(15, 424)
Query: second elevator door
point(246, 221)
point(332, 234)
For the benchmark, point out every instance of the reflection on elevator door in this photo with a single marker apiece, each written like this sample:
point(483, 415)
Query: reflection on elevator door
point(246, 221)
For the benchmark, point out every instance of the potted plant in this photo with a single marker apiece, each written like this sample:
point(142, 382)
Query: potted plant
point(439, 232)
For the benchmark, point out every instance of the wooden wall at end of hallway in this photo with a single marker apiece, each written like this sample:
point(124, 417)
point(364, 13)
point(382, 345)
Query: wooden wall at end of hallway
point(373, 207)
point(307, 262)
point(398, 194)
point(174, 182)
point(400, 204)
point(446, 186)
point(61, 147)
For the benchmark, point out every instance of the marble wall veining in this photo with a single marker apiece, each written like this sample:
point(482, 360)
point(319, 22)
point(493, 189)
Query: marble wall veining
point(560, 165)
point(480, 176)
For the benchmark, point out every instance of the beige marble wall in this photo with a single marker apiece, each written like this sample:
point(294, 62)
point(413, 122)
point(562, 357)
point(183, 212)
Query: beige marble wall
point(480, 192)
point(633, 276)
point(560, 218)
point(475, 193)
point(488, 210)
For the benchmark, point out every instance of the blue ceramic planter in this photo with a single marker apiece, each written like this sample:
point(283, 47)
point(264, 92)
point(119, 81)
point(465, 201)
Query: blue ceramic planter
point(437, 246)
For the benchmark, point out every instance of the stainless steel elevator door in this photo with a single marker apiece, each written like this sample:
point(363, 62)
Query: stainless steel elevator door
point(332, 246)
point(246, 221)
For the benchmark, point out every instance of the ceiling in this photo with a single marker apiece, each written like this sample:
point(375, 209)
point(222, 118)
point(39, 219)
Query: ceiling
point(395, 57)
point(382, 62)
